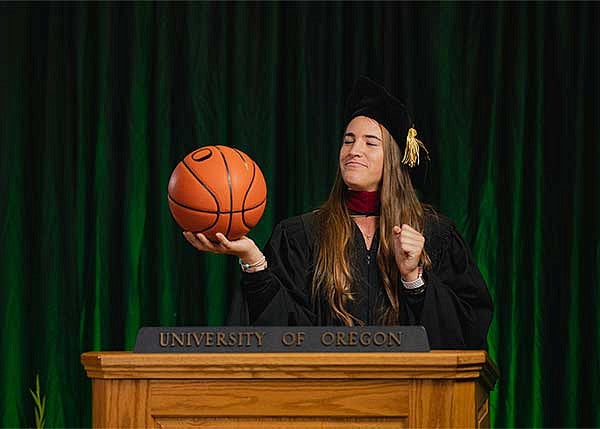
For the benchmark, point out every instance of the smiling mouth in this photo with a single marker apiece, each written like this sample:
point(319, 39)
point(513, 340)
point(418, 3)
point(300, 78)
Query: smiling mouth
point(354, 164)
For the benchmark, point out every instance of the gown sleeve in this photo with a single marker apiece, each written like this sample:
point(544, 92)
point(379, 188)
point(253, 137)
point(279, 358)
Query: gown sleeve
point(456, 308)
point(280, 294)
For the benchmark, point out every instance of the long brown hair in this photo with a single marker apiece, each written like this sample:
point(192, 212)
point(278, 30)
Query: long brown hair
point(399, 205)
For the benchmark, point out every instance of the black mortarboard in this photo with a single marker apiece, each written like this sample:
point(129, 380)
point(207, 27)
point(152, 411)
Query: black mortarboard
point(370, 99)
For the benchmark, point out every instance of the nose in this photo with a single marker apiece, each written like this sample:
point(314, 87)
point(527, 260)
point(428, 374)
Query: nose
point(356, 148)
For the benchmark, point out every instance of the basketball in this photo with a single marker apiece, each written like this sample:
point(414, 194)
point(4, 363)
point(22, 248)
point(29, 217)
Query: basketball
point(217, 189)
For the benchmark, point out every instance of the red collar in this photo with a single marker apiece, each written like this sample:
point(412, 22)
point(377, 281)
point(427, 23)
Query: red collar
point(363, 202)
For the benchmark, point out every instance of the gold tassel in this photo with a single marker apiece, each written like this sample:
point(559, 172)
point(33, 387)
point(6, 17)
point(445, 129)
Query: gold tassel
point(411, 152)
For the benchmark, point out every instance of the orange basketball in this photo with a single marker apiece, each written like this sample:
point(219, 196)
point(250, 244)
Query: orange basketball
point(217, 189)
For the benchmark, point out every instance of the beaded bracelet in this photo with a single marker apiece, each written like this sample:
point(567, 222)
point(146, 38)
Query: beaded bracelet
point(248, 268)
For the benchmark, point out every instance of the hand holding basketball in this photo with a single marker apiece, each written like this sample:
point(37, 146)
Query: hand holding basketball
point(244, 247)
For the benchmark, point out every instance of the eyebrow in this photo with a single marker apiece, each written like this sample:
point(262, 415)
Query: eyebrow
point(366, 135)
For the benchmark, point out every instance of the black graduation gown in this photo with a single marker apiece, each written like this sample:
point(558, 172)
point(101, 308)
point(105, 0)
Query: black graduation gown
point(456, 307)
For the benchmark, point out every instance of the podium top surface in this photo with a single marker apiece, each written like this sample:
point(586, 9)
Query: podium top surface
point(438, 364)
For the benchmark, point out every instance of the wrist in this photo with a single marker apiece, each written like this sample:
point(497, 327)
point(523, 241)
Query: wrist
point(413, 275)
point(257, 264)
point(251, 257)
point(416, 286)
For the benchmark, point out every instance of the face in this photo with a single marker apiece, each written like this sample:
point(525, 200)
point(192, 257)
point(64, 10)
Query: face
point(361, 155)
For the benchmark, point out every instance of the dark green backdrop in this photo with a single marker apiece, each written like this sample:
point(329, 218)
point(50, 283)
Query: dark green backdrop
point(100, 101)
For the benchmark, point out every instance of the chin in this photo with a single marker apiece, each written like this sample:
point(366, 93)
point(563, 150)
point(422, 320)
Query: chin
point(358, 187)
point(351, 182)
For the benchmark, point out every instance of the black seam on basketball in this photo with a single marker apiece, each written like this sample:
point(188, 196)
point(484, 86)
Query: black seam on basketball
point(230, 191)
point(246, 195)
point(211, 212)
point(202, 230)
point(241, 156)
point(204, 158)
point(205, 229)
point(203, 184)
point(194, 210)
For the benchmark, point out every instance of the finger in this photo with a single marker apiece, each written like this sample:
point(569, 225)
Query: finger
point(407, 227)
point(403, 241)
point(411, 241)
point(412, 235)
point(189, 235)
point(411, 252)
point(410, 231)
point(407, 230)
point(223, 241)
point(411, 247)
point(413, 238)
point(203, 246)
point(207, 244)
point(406, 257)
point(410, 259)
point(191, 238)
point(396, 230)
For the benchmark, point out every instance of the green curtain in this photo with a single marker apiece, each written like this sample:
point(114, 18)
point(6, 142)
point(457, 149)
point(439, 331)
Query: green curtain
point(99, 101)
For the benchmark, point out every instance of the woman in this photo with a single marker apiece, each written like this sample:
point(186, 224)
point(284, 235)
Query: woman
point(373, 254)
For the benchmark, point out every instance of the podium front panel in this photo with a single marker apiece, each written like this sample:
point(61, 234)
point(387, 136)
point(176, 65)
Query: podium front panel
point(278, 390)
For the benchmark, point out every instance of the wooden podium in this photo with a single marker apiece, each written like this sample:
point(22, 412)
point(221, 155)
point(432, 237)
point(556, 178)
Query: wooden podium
point(285, 390)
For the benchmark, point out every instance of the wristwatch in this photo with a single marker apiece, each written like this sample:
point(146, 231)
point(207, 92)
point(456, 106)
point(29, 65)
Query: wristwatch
point(415, 284)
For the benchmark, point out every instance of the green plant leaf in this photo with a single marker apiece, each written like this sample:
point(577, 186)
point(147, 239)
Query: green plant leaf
point(40, 404)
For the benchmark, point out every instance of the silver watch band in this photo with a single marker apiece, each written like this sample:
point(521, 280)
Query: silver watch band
point(415, 284)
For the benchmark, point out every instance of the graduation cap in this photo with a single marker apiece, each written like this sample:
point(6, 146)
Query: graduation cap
point(370, 99)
